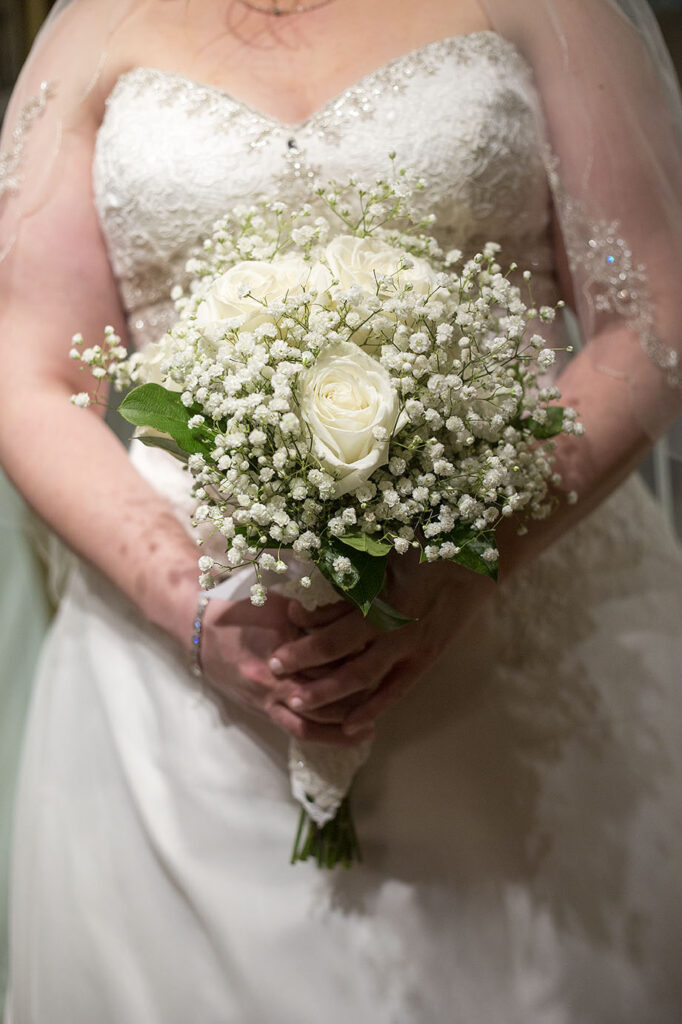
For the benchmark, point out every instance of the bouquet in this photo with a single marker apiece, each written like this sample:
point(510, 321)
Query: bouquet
point(343, 391)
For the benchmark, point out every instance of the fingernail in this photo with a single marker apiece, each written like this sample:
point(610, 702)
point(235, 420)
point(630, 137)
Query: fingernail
point(276, 666)
point(295, 703)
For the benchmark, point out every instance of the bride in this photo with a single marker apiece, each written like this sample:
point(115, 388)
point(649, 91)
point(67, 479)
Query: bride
point(521, 812)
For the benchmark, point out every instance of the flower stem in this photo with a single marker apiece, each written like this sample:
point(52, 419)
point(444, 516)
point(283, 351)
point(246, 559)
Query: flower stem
point(333, 844)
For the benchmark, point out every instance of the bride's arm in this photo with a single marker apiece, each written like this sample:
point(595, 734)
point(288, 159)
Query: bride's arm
point(66, 462)
point(55, 280)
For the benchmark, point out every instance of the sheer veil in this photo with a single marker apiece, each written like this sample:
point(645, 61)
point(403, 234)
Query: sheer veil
point(609, 112)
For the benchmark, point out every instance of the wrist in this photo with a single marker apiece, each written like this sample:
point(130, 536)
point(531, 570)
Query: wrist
point(172, 603)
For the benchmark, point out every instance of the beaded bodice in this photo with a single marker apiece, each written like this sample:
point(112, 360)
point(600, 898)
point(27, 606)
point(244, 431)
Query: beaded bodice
point(172, 155)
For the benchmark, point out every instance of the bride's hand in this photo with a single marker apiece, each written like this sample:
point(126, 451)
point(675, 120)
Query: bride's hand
point(370, 670)
point(237, 641)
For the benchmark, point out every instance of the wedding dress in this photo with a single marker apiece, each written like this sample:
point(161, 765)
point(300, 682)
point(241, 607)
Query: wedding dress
point(521, 812)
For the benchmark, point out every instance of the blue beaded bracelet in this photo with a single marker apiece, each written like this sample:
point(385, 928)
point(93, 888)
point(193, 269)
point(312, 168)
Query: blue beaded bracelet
point(195, 656)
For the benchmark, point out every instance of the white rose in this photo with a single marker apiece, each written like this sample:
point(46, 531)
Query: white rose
point(266, 282)
point(150, 362)
point(343, 398)
point(355, 261)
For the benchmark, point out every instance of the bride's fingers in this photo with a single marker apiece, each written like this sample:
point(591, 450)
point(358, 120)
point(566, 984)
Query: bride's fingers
point(342, 638)
point(261, 688)
point(396, 684)
point(337, 712)
point(250, 681)
point(313, 732)
point(320, 616)
point(353, 676)
point(272, 615)
point(257, 689)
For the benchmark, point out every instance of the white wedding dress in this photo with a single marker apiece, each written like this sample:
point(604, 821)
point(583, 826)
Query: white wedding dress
point(521, 812)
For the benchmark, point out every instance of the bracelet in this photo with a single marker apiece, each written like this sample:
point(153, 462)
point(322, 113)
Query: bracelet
point(195, 653)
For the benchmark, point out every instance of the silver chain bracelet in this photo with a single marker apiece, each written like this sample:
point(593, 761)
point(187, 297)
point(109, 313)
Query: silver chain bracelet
point(195, 653)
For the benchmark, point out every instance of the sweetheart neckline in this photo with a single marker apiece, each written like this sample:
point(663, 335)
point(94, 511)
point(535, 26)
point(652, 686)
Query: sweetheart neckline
point(446, 42)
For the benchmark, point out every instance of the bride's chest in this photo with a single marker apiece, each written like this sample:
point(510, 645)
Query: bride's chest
point(172, 155)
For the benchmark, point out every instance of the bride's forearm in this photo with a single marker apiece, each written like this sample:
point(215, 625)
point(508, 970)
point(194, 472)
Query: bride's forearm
point(592, 466)
point(77, 476)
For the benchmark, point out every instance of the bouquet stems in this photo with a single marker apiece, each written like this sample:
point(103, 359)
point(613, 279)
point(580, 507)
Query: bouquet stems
point(332, 844)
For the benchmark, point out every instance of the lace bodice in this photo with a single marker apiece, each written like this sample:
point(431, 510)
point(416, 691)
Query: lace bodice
point(172, 155)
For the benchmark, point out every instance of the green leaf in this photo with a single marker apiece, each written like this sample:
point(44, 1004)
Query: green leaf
point(150, 405)
point(471, 547)
point(341, 581)
point(551, 426)
point(382, 615)
point(166, 443)
point(370, 584)
point(363, 584)
point(366, 579)
point(362, 542)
